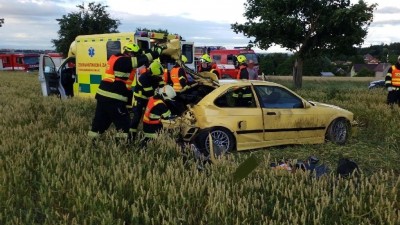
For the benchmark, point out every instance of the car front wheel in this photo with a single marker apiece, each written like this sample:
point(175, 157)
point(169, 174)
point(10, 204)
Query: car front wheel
point(338, 131)
point(222, 138)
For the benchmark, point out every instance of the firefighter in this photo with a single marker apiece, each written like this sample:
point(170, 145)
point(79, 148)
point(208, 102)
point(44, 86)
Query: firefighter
point(392, 82)
point(114, 93)
point(156, 110)
point(206, 65)
point(178, 77)
point(146, 85)
point(243, 73)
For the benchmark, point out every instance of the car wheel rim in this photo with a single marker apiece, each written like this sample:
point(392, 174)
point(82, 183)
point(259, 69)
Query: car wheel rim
point(220, 140)
point(340, 131)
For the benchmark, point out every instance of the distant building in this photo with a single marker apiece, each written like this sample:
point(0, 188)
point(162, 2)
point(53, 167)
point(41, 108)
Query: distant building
point(369, 59)
point(379, 69)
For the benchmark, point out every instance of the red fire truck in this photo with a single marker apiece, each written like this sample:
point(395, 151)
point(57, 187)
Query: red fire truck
point(19, 61)
point(225, 59)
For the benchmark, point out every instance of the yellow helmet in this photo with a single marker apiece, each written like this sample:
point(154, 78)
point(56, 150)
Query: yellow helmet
point(241, 58)
point(183, 58)
point(205, 58)
point(130, 47)
point(156, 68)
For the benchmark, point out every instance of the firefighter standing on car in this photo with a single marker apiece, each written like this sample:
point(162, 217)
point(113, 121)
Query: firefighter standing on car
point(114, 93)
point(392, 82)
point(146, 85)
point(243, 73)
point(156, 110)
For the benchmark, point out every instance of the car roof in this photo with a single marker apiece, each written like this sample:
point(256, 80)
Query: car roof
point(232, 82)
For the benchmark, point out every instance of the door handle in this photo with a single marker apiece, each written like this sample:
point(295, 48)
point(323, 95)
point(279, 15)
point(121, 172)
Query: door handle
point(270, 113)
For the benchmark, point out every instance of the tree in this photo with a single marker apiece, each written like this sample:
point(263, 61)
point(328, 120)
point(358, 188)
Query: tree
point(1, 22)
point(91, 20)
point(306, 27)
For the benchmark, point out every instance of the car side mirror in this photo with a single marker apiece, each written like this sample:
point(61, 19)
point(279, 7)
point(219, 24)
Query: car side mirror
point(306, 105)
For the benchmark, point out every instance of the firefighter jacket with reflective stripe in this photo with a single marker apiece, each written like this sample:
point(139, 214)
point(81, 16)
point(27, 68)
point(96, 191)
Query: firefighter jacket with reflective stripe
point(119, 75)
point(243, 73)
point(178, 78)
point(155, 110)
point(147, 84)
point(395, 75)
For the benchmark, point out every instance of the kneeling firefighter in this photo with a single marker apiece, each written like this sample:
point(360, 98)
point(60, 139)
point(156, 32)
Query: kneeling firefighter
point(156, 110)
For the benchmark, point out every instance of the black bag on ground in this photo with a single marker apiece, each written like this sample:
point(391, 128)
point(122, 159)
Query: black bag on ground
point(346, 168)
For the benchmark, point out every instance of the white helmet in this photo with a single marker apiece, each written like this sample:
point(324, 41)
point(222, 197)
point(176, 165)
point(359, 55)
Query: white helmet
point(167, 92)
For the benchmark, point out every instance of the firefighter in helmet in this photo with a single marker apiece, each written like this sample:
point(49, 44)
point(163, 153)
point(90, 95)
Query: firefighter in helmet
point(114, 93)
point(178, 77)
point(243, 73)
point(146, 85)
point(156, 110)
point(206, 65)
point(392, 82)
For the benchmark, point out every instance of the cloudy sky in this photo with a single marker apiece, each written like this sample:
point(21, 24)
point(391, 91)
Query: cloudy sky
point(31, 24)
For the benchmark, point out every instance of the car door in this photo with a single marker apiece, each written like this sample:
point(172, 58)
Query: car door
point(239, 112)
point(49, 78)
point(285, 117)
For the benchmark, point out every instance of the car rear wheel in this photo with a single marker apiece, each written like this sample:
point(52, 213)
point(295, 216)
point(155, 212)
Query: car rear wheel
point(222, 138)
point(338, 131)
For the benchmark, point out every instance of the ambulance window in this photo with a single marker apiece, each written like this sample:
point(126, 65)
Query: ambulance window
point(187, 50)
point(217, 58)
point(113, 47)
point(144, 44)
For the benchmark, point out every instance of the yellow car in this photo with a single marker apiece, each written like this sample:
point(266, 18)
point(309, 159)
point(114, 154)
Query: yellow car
point(242, 115)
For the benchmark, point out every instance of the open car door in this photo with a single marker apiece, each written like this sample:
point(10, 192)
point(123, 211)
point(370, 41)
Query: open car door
point(49, 78)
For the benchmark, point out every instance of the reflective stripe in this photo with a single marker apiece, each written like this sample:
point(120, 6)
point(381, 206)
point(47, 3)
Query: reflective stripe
point(148, 88)
point(121, 74)
point(140, 95)
point(112, 95)
point(149, 56)
point(167, 114)
point(134, 62)
point(150, 135)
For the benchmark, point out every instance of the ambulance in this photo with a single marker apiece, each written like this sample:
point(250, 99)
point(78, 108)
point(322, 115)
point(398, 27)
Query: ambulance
point(81, 72)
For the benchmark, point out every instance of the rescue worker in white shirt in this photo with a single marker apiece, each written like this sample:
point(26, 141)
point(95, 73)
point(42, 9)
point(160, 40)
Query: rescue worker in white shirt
point(392, 83)
point(145, 88)
point(178, 77)
point(114, 93)
point(156, 110)
point(243, 73)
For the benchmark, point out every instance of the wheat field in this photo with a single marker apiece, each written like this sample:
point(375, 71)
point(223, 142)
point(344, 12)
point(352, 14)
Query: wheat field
point(51, 173)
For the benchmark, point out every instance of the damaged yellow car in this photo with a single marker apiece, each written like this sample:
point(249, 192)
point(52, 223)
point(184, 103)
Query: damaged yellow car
point(243, 115)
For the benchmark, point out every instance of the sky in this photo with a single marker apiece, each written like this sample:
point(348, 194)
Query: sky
point(31, 24)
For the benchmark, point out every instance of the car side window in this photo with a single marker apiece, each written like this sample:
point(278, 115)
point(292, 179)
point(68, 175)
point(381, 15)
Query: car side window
point(236, 97)
point(277, 97)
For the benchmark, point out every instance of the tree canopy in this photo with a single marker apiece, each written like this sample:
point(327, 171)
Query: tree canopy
point(93, 19)
point(1, 22)
point(306, 27)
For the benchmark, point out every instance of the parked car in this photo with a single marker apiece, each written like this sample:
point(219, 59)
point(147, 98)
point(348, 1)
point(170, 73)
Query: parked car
point(376, 84)
point(242, 115)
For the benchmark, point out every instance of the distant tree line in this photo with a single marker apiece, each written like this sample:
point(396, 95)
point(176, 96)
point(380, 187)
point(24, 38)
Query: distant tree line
point(1, 22)
point(281, 63)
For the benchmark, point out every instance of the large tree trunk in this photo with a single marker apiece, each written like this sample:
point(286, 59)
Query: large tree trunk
point(298, 73)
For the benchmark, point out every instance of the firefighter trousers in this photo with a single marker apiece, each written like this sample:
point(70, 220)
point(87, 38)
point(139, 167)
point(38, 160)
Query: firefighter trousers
point(111, 111)
point(138, 110)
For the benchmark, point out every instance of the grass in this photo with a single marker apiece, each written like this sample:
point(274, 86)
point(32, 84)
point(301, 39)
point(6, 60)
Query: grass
point(50, 173)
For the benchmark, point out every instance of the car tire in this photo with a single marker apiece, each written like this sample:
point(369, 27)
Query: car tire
point(338, 131)
point(222, 137)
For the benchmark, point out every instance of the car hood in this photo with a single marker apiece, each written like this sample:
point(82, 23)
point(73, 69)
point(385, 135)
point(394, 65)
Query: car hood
point(324, 105)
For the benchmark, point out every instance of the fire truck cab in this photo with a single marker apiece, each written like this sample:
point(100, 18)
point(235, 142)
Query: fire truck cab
point(81, 73)
point(226, 61)
point(19, 61)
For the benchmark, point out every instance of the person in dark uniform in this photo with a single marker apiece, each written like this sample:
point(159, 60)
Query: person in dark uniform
point(114, 92)
point(146, 85)
point(156, 110)
point(392, 83)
